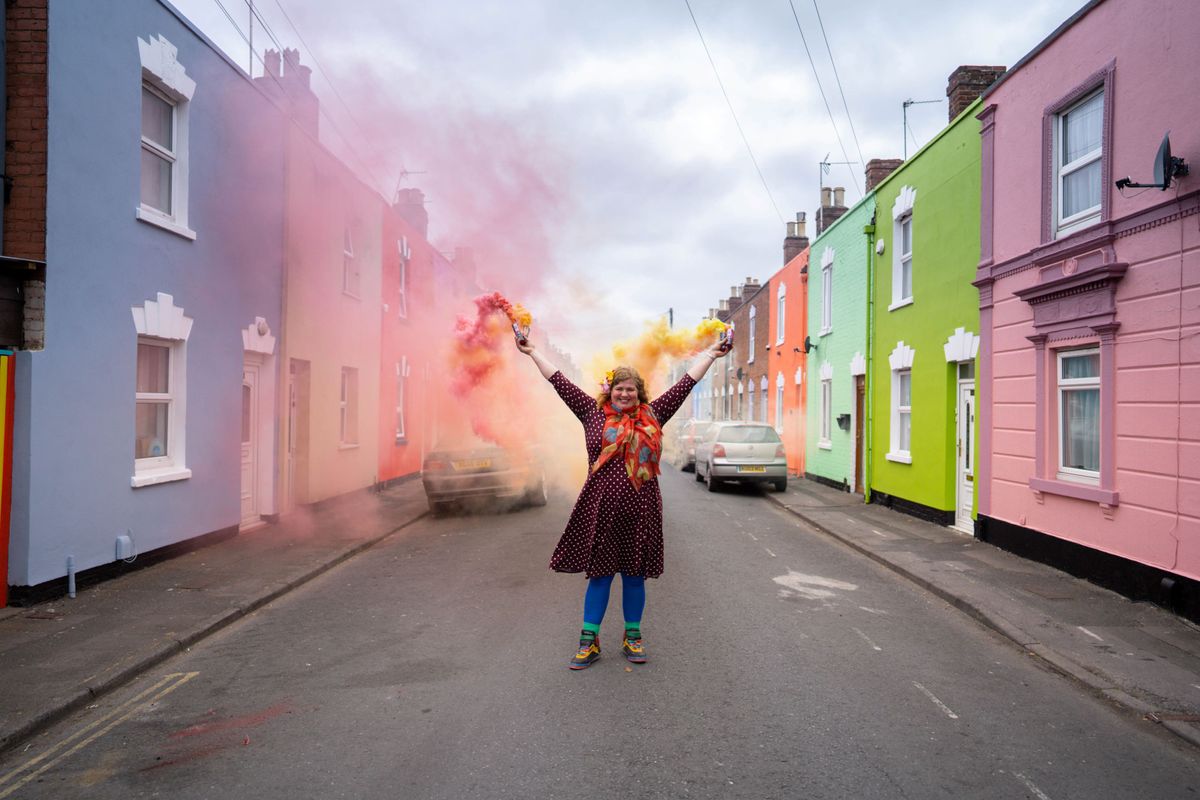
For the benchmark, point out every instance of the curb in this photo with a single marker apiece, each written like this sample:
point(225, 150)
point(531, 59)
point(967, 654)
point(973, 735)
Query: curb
point(181, 643)
point(1052, 659)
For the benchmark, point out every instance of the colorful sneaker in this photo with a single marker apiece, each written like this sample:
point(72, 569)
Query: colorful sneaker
point(589, 651)
point(633, 648)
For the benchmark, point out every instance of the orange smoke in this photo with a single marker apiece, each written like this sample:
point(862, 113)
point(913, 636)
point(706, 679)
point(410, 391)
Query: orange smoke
point(481, 349)
point(658, 344)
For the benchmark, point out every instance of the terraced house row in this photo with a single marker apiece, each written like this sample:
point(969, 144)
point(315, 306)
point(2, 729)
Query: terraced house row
point(209, 319)
point(1003, 334)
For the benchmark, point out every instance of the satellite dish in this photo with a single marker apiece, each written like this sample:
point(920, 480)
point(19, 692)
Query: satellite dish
point(1166, 167)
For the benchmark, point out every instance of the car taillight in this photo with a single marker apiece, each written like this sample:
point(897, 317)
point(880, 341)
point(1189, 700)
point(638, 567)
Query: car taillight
point(436, 466)
point(779, 451)
point(718, 451)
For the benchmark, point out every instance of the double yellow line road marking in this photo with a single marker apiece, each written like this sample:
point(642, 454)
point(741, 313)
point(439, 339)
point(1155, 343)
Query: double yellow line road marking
point(91, 732)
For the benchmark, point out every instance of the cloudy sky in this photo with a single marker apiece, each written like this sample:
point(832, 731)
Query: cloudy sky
point(589, 149)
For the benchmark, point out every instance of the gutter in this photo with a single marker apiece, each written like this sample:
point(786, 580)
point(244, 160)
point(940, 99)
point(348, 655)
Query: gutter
point(869, 388)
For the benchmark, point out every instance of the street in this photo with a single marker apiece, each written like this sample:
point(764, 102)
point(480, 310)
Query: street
point(782, 665)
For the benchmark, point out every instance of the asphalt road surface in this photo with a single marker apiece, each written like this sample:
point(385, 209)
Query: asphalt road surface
point(782, 665)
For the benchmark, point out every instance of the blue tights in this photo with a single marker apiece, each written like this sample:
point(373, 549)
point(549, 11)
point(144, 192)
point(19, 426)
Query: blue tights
point(633, 598)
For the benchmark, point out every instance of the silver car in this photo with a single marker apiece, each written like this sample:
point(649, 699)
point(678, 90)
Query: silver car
point(482, 473)
point(745, 452)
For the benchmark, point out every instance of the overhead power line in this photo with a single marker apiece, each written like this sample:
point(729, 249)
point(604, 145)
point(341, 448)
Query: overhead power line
point(733, 113)
point(828, 110)
point(838, 78)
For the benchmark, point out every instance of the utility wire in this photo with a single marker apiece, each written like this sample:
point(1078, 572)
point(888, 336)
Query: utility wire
point(732, 112)
point(320, 109)
point(828, 110)
point(838, 78)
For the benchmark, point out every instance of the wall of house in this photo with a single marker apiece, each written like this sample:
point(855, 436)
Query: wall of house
point(756, 364)
point(1146, 507)
point(327, 327)
point(846, 339)
point(787, 358)
point(945, 178)
point(76, 397)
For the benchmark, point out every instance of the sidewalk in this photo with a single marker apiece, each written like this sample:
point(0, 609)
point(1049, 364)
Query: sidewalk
point(1138, 655)
point(57, 657)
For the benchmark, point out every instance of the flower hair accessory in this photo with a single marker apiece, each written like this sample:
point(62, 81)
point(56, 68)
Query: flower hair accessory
point(606, 384)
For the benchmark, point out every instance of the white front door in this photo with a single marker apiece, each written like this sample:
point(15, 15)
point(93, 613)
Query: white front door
point(250, 513)
point(966, 455)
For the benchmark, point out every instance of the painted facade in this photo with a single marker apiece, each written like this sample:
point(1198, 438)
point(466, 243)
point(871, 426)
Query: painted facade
point(163, 234)
point(837, 325)
point(1089, 295)
point(925, 328)
point(787, 290)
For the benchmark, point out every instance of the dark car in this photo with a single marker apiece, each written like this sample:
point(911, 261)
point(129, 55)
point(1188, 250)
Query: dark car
point(482, 475)
point(742, 452)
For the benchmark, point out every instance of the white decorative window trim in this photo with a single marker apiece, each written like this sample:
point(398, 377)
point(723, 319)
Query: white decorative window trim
point(904, 202)
point(961, 346)
point(405, 260)
point(162, 70)
point(826, 371)
point(901, 357)
point(741, 387)
point(750, 341)
point(799, 377)
point(778, 380)
point(827, 257)
point(858, 365)
point(257, 337)
point(162, 319)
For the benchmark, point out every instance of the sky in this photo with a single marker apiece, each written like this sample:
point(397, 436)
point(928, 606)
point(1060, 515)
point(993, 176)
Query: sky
point(590, 150)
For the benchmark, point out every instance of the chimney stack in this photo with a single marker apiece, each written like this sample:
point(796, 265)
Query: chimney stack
point(410, 206)
point(796, 241)
point(289, 82)
point(968, 82)
point(880, 168)
point(830, 209)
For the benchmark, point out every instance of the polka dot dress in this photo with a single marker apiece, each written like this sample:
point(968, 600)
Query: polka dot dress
point(613, 527)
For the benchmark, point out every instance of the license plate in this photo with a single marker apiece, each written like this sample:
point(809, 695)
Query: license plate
point(474, 463)
point(752, 469)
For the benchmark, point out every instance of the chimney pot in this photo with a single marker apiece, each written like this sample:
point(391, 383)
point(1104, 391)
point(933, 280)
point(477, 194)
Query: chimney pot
point(826, 197)
point(839, 196)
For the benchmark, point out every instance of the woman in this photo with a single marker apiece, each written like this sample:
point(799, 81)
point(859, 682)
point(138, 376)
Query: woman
point(616, 525)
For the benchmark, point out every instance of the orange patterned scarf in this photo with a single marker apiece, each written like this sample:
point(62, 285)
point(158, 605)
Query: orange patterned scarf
point(636, 437)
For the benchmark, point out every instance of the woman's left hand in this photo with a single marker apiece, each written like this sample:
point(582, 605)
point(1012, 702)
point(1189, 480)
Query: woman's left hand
point(716, 350)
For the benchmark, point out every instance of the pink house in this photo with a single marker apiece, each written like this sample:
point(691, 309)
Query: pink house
point(1089, 369)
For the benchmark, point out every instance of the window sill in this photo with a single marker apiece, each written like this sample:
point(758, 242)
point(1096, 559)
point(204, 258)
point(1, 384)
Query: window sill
point(160, 220)
point(1075, 226)
point(900, 304)
point(1079, 491)
point(825, 445)
point(348, 446)
point(899, 457)
point(401, 441)
point(155, 476)
point(351, 294)
point(825, 331)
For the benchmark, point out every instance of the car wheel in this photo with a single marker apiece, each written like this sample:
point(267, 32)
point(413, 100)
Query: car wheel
point(781, 485)
point(537, 494)
point(439, 509)
point(713, 483)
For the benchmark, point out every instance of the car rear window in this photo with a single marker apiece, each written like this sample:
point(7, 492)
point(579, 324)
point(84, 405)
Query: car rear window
point(748, 434)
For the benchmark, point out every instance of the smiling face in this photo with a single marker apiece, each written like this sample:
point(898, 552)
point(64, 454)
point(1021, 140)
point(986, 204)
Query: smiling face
point(624, 395)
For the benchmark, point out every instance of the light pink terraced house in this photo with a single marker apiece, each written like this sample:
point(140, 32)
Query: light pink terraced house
point(1089, 365)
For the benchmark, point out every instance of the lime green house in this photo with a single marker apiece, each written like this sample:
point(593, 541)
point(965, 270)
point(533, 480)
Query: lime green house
point(837, 349)
point(924, 329)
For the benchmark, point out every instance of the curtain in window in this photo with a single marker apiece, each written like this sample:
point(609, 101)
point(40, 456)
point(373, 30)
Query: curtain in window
point(1081, 428)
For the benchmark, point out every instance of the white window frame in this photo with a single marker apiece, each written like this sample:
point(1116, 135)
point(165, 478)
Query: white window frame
point(348, 409)
point(402, 288)
point(351, 274)
point(826, 292)
point(750, 339)
point(825, 438)
point(779, 403)
point(165, 77)
point(161, 323)
point(902, 214)
point(1063, 385)
point(901, 362)
point(1088, 216)
point(402, 372)
point(765, 396)
point(780, 312)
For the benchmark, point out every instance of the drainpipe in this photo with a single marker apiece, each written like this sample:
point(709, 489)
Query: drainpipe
point(869, 388)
